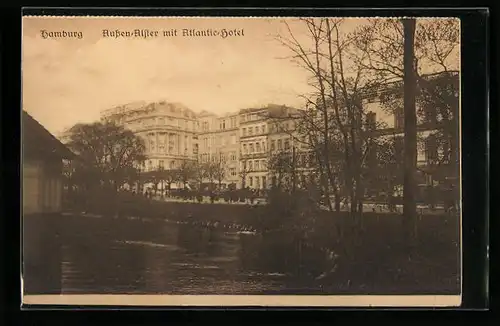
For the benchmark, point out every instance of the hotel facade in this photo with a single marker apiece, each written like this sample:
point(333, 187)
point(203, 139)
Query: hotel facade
point(169, 130)
point(244, 141)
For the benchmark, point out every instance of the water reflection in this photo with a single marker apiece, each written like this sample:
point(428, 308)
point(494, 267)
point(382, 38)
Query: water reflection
point(163, 257)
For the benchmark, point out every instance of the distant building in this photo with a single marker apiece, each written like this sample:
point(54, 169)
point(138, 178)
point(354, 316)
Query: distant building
point(254, 131)
point(285, 138)
point(169, 130)
point(437, 129)
point(263, 132)
point(219, 143)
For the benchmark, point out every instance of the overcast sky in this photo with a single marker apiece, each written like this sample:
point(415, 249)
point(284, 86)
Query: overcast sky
point(66, 80)
point(70, 80)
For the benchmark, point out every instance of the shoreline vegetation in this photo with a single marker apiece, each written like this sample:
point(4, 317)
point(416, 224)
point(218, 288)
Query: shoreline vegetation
point(307, 245)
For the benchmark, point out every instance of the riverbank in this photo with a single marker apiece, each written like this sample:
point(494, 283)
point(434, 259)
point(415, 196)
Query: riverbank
point(377, 262)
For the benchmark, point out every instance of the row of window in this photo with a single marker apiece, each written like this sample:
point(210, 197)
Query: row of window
point(231, 123)
point(257, 182)
point(216, 141)
point(250, 148)
point(168, 121)
point(253, 165)
point(221, 157)
point(161, 165)
point(280, 144)
point(283, 126)
point(251, 117)
point(250, 130)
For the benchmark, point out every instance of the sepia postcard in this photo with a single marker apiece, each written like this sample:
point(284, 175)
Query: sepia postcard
point(241, 161)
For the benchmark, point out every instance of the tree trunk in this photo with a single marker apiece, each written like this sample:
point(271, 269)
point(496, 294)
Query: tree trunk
point(337, 199)
point(410, 131)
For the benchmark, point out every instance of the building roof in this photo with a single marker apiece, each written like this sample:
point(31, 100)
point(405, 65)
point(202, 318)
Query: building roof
point(39, 142)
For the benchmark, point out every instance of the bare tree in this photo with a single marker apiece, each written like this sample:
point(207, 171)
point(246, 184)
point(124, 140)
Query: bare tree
point(110, 154)
point(436, 55)
point(109, 157)
point(243, 172)
point(416, 61)
point(199, 173)
point(187, 171)
point(219, 169)
point(334, 115)
point(281, 167)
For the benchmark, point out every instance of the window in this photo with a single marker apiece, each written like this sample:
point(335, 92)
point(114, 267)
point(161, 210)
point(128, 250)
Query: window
point(263, 146)
point(251, 148)
point(244, 132)
point(287, 144)
point(233, 156)
point(161, 121)
point(257, 165)
point(250, 165)
point(250, 131)
point(172, 165)
point(273, 145)
point(223, 124)
point(280, 147)
point(161, 164)
point(263, 129)
point(264, 182)
point(250, 181)
point(232, 171)
point(257, 182)
point(371, 120)
point(244, 148)
point(257, 147)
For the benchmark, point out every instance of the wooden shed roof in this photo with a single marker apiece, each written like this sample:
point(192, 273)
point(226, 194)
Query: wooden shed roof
point(39, 142)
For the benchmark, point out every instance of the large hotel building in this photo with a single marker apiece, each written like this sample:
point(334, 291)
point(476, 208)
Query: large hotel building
point(173, 133)
point(245, 140)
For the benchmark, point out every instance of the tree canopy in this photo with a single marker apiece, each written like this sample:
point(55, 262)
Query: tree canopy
point(110, 154)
